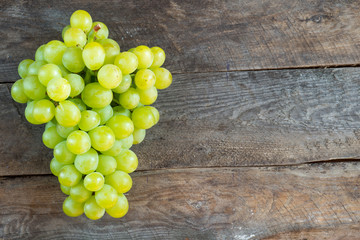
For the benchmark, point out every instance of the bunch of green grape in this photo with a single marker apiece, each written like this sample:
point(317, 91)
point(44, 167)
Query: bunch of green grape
point(94, 101)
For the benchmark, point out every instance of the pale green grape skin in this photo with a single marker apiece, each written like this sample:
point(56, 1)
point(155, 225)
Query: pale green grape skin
point(79, 193)
point(64, 71)
point(105, 113)
point(44, 111)
point(48, 72)
point(109, 76)
point(33, 89)
point(58, 89)
point(127, 161)
point(39, 54)
point(75, 37)
point(65, 189)
point(89, 120)
point(92, 210)
point(77, 84)
point(163, 78)
point(94, 181)
point(119, 110)
point(96, 96)
point(72, 59)
point(72, 208)
point(112, 49)
point(50, 124)
point(64, 31)
point(55, 167)
point(102, 33)
point(54, 51)
point(17, 92)
point(115, 149)
point(67, 114)
point(106, 197)
point(63, 154)
point(145, 79)
point(81, 19)
point(69, 176)
point(148, 96)
point(29, 113)
point(102, 138)
point(122, 126)
point(119, 180)
point(144, 55)
point(107, 165)
point(143, 118)
point(51, 137)
point(139, 135)
point(33, 68)
point(126, 143)
point(65, 131)
point(120, 208)
point(129, 99)
point(87, 162)
point(124, 84)
point(79, 103)
point(127, 62)
point(131, 50)
point(93, 55)
point(159, 57)
point(78, 142)
point(23, 67)
point(155, 113)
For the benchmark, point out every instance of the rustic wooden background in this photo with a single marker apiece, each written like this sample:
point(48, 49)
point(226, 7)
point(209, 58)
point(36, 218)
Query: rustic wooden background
point(259, 134)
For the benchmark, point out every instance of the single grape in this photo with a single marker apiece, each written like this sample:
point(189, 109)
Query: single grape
point(129, 99)
point(131, 50)
point(105, 113)
point(163, 78)
point(69, 176)
point(72, 208)
point(96, 96)
point(72, 59)
point(17, 92)
point(93, 55)
point(143, 118)
point(23, 67)
point(54, 51)
point(127, 161)
point(109, 76)
point(79, 103)
point(58, 89)
point(78, 142)
point(122, 126)
point(81, 19)
point(144, 55)
point(79, 193)
point(75, 37)
point(67, 114)
point(112, 49)
point(39, 54)
point(139, 135)
point(77, 84)
point(115, 149)
point(34, 67)
point(101, 33)
point(94, 181)
point(33, 89)
point(124, 84)
point(127, 62)
point(87, 162)
point(119, 180)
point(48, 72)
point(55, 166)
point(50, 124)
point(65, 189)
point(148, 96)
point(29, 113)
point(106, 197)
point(92, 210)
point(102, 138)
point(120, 208)
point(64, 71)
point(44, 111)
point(145, 79)
point(155, 113)
point(119, 110)
point(51, 137)
point(63, 154)
point(65, 131)
point(159, 57)
point(64, 31)
point(126, 143)
point(107, 165)
point(89, 120)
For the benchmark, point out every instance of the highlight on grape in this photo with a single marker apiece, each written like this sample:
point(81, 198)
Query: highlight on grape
point(95, 102)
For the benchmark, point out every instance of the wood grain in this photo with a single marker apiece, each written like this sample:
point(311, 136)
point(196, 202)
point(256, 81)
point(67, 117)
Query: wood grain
point(215, 203)
point(197, 36)
point(276, 117)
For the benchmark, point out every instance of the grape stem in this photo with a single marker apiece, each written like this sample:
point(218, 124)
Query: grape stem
point(97, 27)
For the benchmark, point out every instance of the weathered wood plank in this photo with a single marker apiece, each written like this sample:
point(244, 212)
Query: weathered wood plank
point(274, 117)
point(215, 203)
point(198, 36)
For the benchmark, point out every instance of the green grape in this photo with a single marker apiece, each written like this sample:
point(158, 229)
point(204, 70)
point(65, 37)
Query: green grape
point(94, 181)
point(155, 113)
point(87, 162)
point(72, 59)
point(107, 165)
point(69, 176)
point(105, 113)
point(89, 120)
point(122, 126)
point(93, 55)
point(92, 210)
point(54, 51)
point(109, 76)
point(44, 111)
point(58, 89)
point(143, 118)
point(127, 161)
point(101, 33)
point(163, 78)
point(81, 19)
point(96, 96)
point(72, 208)
point(17, 92)
point(126, 143)
point(65, 131)
point(127, 62)
point(79, 193)
point(102, 138)
point(50, 124)
point(48, 72)
point(148, 96)
point(55, 166)
point(144, 55)
point(131, 50)
point(119, 180)
point(65, 189)
point(129, 99)
point(33, 89)
point(159, 57)
point(51, 137)
point(23, 67)
point(77, 84)
point(33, 68)
point(63, 154)
point(124, 84)
point(39, 54)
point(145, 79)
point(119, 110)
point(112, 49)
point(139, 135)
point(79, 103)
point(29, 113)
point(64, 71)
point(120, 208)
point(64, 31)
point(67, 114)
point(75, 37)
point(78, 142)
point(106, 197)
point(115, 149)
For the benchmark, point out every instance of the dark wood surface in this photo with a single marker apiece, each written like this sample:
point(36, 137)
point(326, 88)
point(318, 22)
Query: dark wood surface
point(259, 134)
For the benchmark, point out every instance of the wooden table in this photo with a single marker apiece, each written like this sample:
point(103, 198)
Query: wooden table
point(259, 133)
